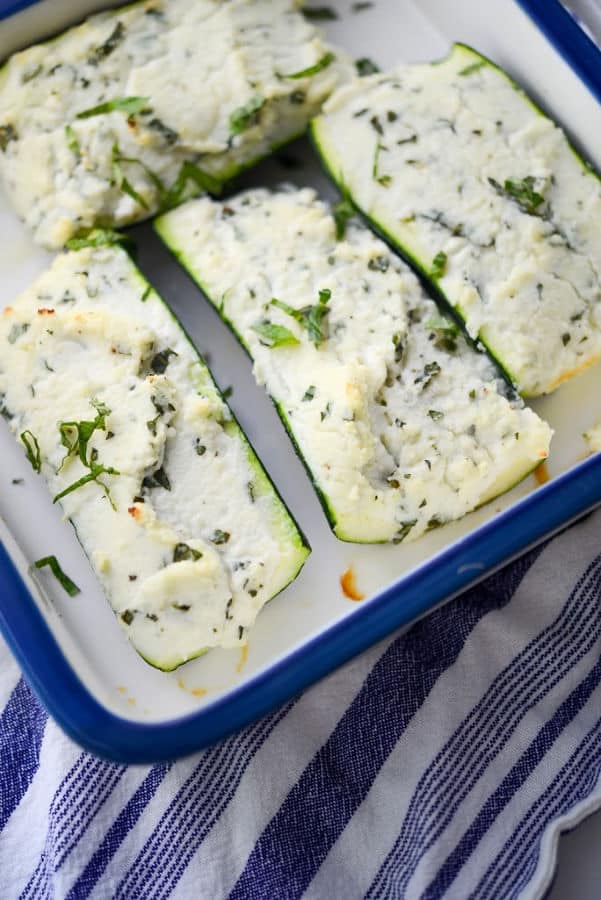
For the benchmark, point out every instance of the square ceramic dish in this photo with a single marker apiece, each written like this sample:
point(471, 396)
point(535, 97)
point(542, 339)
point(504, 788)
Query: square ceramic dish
point(72, 650)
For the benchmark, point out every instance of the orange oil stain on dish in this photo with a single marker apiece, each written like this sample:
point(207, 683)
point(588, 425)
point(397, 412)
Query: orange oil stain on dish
point(243, 658)
point(196, 692)
point(541, 473)
point(122, 689)
point(349, 585)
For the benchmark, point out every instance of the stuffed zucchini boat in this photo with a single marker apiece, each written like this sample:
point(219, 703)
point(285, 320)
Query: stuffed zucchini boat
point(114, 406)
point(138, 108)
point(402, 425)
point(456, 167)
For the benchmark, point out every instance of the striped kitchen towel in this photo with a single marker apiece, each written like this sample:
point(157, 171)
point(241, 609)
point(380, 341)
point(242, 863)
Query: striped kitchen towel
point(442, 763)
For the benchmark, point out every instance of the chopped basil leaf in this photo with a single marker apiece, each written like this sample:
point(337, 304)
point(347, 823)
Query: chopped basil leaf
point(439, 264)
point(446, 333)
point(101, 52)
point(522, 192)
point(53, 564)
point(440, 324)
point(319, 13)
point(310, 317)
point(160, 361)
point(129, 105)
point(273, 335)
point(32, 450)
point(366, 66)
point(122, 182)
point(158, 478)
point(403, 531)
point(434, 522)
point(319, 66)
point(474, 67)
point(247, 115)
point(227, 392)
point(72, 142)
point(17, 331)
point(200, 448)
point(379, 264)
point(183, 552)
point(4, 410)
point(127, 616)
point(384, 180)
point(219, 536)
point(309, 393)
point(76, 435)
point(342, 212)
point(8, 133)
point(435, 415)
point(190, 172)
point(93, 475)
point(168, 134)
point(431, 370)
point(96, 237)
point(146, 293)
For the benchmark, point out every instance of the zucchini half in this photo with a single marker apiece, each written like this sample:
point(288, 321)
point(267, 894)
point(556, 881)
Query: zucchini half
point(117, 410)
point(401, 424)
point(462, 174)
point(141, 107)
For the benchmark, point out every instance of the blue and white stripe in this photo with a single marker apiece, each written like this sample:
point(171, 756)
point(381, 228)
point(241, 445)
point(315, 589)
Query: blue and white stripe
point(442, 763)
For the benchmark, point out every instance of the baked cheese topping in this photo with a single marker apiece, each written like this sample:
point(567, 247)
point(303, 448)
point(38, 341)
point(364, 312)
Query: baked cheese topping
point(402, 425)
point(128, 112)
point(483, 192)
point(116, 409)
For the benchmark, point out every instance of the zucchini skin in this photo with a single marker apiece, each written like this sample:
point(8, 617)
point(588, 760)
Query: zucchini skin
point(332, 166)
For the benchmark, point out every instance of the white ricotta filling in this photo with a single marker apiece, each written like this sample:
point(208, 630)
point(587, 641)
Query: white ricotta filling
point(402, 425)
point(454, 159)
point(183, 528)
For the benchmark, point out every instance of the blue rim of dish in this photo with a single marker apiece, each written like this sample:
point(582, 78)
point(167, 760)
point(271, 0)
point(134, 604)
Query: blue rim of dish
point(526, 523)
point(549, 509)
